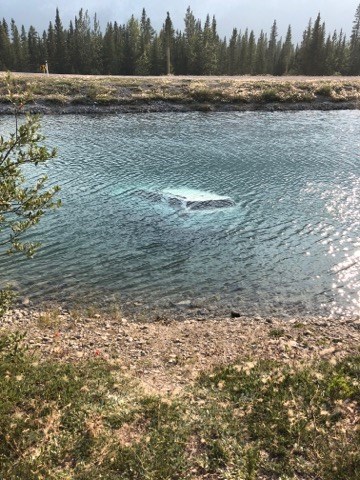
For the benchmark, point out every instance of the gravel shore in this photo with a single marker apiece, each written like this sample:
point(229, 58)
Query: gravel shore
point(43, 108)
point(168, 354)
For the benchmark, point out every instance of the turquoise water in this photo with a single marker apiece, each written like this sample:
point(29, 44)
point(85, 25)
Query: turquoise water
point(291, 243)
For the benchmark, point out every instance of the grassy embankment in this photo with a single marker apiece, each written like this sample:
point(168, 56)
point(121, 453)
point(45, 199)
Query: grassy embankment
point(248, 420)
point(65, 90)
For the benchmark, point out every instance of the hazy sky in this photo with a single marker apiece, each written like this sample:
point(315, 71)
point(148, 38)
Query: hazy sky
point(256, 14)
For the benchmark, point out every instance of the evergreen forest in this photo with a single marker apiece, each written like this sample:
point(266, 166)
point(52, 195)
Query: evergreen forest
point(135, 48)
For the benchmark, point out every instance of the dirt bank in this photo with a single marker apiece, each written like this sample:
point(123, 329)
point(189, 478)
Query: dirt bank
point(75, 94)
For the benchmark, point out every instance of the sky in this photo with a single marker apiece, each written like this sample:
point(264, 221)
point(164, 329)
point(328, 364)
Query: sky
point(255, 14)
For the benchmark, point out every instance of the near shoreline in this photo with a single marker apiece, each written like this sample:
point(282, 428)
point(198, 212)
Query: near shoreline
point(76, 94)
point(166, 354)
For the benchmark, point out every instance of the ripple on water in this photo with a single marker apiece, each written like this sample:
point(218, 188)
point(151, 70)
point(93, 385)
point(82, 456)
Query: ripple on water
point(291, 242)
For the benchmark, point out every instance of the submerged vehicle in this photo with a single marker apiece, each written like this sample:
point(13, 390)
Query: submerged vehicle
point(188, 199)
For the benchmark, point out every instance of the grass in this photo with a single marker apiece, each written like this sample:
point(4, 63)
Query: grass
point(65, 90)
point(49, 318)
point(249, 420)
point(276, 332)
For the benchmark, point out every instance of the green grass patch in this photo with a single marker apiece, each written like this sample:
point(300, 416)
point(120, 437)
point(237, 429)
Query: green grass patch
point(270, 95)
point(302, 420)
point(276, 332)
point(325, 90)
point(243, 421)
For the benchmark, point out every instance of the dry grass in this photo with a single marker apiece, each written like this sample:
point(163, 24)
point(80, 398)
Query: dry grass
point(245, 420)
point(105, 90)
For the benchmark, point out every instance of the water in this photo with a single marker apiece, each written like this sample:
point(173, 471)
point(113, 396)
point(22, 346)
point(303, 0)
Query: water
point(289, 245)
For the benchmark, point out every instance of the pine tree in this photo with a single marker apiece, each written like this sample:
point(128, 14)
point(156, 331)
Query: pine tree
point(317, 49)
point(223, 62)
point(208, 58)
point(330, 54)
point(60, 50)
point(18, 63)
point(34, 50)
point(96, 47)
point(342, 55)
point(271, 54)
point(354, 60)
point(131, 46)
point(232, 53)
point(287, 55)
point(108, 50)
point(71, 49)
point(190, 42)
point(120, 41)
point(51, 48)
point(24, 50)
point(179, 53)
point(243, 49)
point(303, 54)
point(168, 41)
point(82, 43)
point(251, 54)
point(6, 57)
point(215, 46)
point(146, 36)
point(24, 200)
point(157, 57)
point(260, 59)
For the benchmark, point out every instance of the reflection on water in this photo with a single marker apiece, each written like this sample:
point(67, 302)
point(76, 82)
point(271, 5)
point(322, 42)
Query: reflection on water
point(290, 244)
point(343, 205)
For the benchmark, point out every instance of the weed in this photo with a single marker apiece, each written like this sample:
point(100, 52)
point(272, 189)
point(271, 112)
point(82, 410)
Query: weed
point(299, 325)
point(325, 90)
point(7, 297)
point(276, 332)
point(49, 318)
point(270, 95)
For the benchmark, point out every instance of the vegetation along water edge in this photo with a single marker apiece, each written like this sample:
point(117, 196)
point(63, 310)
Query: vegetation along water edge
point(61, 94)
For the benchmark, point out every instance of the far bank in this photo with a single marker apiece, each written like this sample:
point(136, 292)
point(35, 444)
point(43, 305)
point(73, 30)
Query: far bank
point(86, 94)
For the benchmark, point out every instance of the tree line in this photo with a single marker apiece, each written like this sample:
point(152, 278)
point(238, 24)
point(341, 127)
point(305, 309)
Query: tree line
point(135, 48)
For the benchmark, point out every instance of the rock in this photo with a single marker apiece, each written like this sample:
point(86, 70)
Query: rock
point(183, 304)
point(26, 301)
point(327, 351)
point(234, 314)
